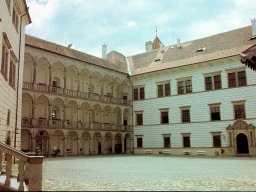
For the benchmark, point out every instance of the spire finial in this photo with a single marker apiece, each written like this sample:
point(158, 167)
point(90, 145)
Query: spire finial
point(156, 30)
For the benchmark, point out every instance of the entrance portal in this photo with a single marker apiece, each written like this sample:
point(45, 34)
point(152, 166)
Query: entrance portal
point(242, 144)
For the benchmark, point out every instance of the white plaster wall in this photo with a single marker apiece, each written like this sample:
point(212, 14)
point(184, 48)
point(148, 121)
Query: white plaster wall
point(200, 126)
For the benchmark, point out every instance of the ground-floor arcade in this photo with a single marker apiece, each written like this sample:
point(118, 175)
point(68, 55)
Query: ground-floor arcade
point(75, 142)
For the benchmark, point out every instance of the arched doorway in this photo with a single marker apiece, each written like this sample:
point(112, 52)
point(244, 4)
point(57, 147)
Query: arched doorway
point(242, 144)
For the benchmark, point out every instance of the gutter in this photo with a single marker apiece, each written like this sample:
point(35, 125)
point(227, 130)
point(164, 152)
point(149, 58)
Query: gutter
point(18, 82)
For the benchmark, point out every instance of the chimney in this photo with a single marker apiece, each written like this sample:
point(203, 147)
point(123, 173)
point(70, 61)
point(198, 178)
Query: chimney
point(149, 46)
point(253, 21)
point(178, 43)
point(104, 51)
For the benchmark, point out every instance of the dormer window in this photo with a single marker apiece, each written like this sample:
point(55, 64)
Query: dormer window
point(201, 49)
point(158, 59)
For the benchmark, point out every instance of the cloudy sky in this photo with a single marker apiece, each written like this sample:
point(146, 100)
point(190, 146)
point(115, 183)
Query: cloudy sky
point(125, 25)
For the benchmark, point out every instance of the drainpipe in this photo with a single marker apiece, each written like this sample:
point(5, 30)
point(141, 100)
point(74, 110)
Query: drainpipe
point(18, 81)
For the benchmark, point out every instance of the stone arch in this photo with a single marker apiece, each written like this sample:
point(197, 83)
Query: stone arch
point(107, 112)
point(97, 113)
point(118, 143)
point(41, 110)
point(107, 85)
point(85, 143)
point(26, 140)
point(97, 143)
point(28, 68)
point(128, 143)
point(42, 75)
point(108, 143)
point(117, 89)
point(95, 86)
point(117, 118)
point(237, 143)
point(58, 73)
point(27, 107)
point(72, 143)
point(72, 78)
point(42, 142)
point(71, 112)
point(58, 142)
point(84, 80)
point(84, 114)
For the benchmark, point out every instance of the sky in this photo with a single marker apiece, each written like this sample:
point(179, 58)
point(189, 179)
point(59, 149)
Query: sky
point(125, 25)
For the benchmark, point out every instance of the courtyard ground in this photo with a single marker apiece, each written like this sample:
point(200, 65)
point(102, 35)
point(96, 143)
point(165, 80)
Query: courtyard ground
point(150, 173)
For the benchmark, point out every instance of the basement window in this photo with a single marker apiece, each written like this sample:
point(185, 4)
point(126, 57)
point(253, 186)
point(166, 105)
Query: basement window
point(201, 49)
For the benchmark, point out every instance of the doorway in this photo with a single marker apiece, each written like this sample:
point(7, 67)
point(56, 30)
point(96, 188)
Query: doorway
point(242, 144)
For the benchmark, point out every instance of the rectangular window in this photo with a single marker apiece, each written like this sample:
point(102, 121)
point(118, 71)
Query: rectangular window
point(139, 119)
point(8, 117)
point(139, 142)
point(167, 142)
point(208, 83)
point(160, 91)
point(215, 112)
point(142, 93)
point(186, 141)
point(12, 70)
point(138, 93)
point(216, 140)
point(6, 46)
point(236, 79)
point(212, 82)
point(184, 86)
point(185, 115)
point(163, 89)
point(217, 82)
point(164, 117)
point(15, 18)
point(135, 94)
point(239, 111)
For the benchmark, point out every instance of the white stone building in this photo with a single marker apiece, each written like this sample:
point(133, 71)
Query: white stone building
point(14, 17)
point(73, 102)
point(195, 98)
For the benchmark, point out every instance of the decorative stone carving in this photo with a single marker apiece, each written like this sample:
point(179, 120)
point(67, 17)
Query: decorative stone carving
point(240, 125)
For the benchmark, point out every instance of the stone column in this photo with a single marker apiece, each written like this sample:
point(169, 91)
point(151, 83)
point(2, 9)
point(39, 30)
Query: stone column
point(78, 82)
point(50, 76)
point(90, 119)
point(64, 146)
point(33, 144)
point(113, 145)
point(102, 146)
point(122, 145)
point(35, 71)
point(65, 80)
point(78, 146)
point(50, 146)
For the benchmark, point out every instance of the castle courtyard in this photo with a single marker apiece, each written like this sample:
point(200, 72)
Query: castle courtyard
point(149, 173)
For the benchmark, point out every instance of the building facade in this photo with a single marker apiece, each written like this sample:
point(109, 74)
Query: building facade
point(74, 103)
point(195, 98)
point(14, 17)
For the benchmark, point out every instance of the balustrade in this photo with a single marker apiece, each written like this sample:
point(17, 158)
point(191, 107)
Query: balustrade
point(27, 85)
point(41, 122)
point(71, 93)
point(41, 87)
point(29, 170)
point(97, 126)
point(56, 123)
point(26, 122)
point(57, 90)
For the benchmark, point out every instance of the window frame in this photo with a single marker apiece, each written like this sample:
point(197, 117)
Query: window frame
point(166, 136)
point(140, 93)
point(137, 114)
point(165, 88)
point(213, 83)
point(215, 143)
point(13, 70)
point(237, 78)
point(210, 111)
point(6, 46)
point(15, 17)
point(236, 104)
point(182, 109)
point(186, 135)
point(183, 87)
point(165, 110)
point(139, 140)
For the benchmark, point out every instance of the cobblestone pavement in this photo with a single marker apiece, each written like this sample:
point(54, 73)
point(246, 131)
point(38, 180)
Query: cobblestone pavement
point(150, 173)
